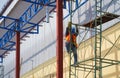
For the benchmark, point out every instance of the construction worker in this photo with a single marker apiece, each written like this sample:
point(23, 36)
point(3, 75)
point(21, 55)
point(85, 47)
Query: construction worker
point(71, 42)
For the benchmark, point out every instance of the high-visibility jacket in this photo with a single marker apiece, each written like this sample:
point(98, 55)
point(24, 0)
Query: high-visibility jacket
point(73, 39)
point(74, 35)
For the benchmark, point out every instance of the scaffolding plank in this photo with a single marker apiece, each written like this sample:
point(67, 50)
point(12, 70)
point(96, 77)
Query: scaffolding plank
point(105, 18)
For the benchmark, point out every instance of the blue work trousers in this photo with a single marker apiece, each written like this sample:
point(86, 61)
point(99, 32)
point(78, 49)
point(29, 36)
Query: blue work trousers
point(73, 49)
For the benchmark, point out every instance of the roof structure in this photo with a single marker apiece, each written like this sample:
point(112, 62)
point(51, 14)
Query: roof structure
point(29, 16)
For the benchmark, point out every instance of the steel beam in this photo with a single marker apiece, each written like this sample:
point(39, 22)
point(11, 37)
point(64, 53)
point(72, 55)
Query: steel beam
point(6, 38)
point(14, 22)
point(43, 2)
point(17, 55)
point(9, 46)
point(59, 24)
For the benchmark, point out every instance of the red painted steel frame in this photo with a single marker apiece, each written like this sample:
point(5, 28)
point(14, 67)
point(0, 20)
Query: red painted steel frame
point(17, 54)
point(59, 48)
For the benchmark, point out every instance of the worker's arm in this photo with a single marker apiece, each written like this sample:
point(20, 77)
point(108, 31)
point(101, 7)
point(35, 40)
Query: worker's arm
point(68, 28)
point(67, 31)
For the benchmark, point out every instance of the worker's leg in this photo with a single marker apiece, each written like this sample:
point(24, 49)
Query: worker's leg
point(75, 54)
point(67, 44)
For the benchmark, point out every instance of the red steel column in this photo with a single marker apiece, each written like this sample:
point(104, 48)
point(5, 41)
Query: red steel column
point(59, 24)
point(17, 54)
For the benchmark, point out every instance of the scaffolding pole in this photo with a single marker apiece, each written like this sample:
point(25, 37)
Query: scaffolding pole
point(98, 40)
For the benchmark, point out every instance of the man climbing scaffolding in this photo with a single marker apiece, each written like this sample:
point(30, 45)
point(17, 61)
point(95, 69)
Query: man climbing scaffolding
point(71, 44)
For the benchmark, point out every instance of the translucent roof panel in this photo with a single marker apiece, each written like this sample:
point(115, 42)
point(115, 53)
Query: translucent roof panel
point(2, 4)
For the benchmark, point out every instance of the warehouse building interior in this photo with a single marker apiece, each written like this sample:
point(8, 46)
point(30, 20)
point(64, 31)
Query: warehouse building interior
point(33, 41)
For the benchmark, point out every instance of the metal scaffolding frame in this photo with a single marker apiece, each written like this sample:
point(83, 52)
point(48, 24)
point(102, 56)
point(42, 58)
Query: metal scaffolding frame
point(20, 26)
point(98, 59)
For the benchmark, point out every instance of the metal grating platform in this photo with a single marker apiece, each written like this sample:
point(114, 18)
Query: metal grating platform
point(105, 18)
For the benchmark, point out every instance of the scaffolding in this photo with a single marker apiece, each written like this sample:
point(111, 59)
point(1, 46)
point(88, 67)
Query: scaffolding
point(97, 59)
